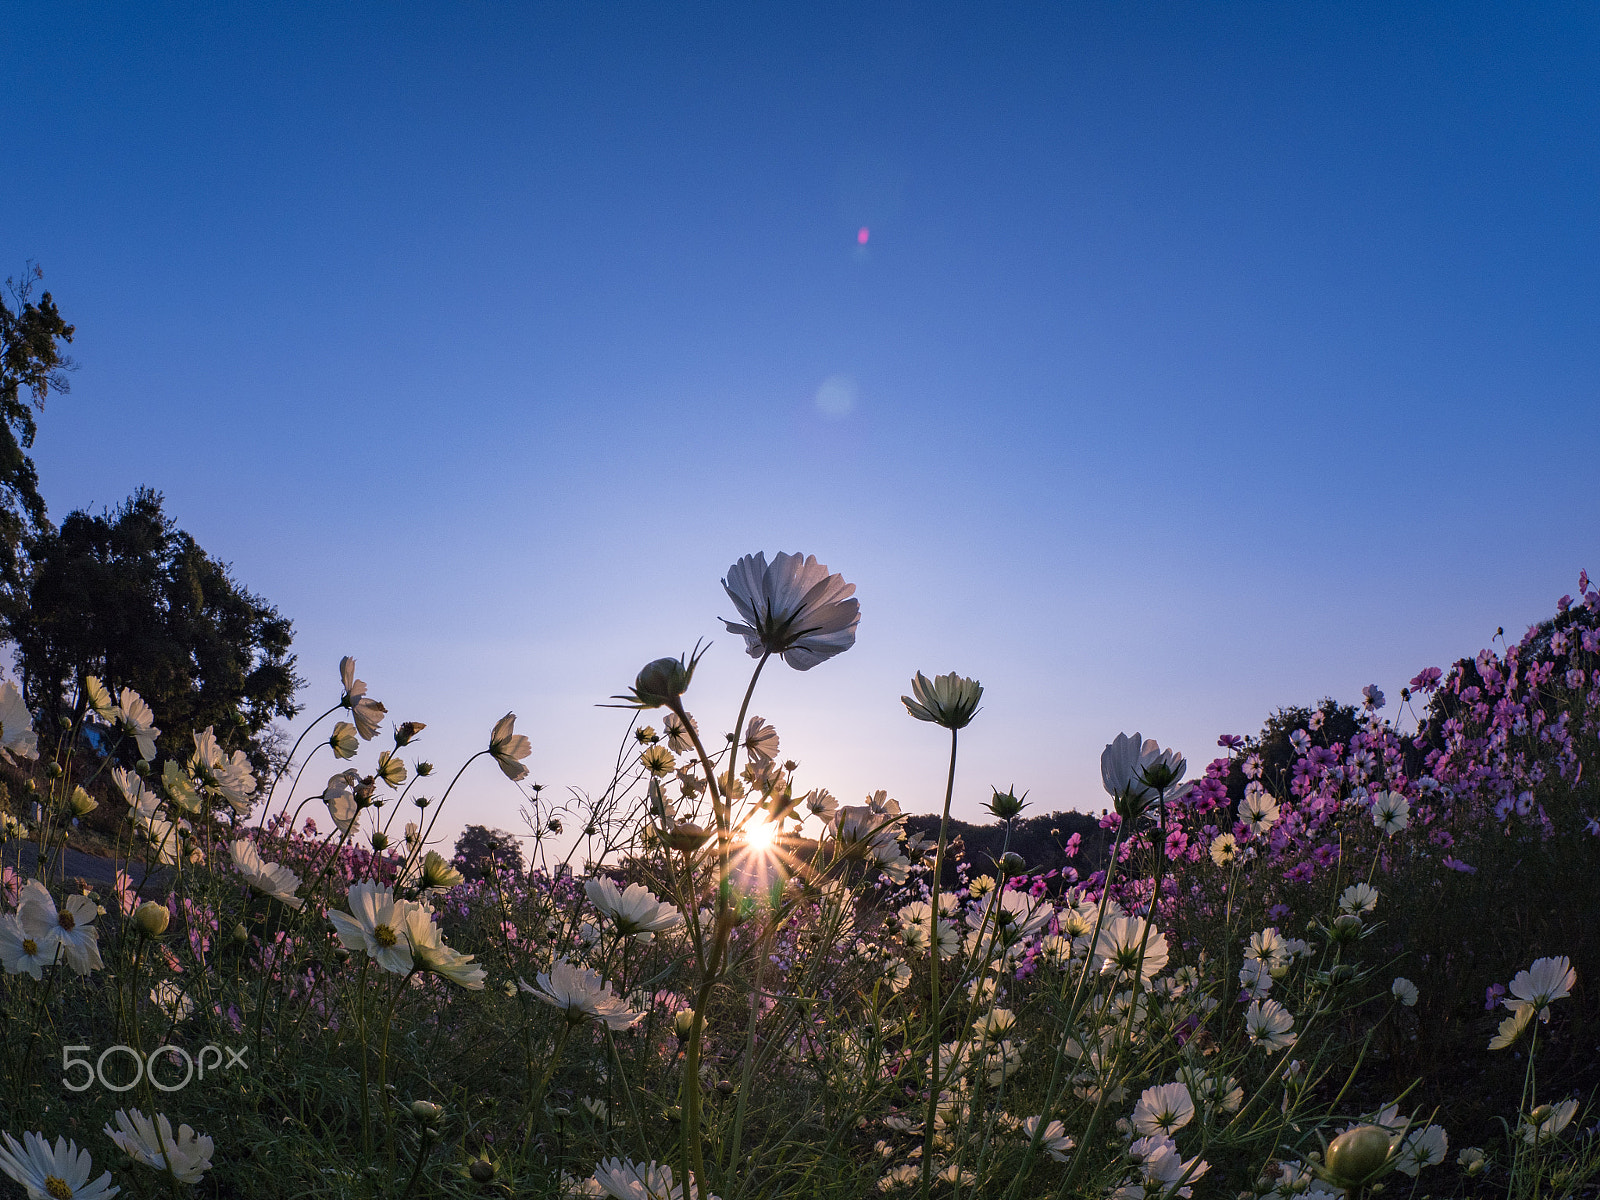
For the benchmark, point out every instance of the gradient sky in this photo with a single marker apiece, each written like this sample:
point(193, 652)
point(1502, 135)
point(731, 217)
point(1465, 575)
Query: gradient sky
point(1201, 359)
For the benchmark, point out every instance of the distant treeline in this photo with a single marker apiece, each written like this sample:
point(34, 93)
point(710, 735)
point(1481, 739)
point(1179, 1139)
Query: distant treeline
point(1042, 842)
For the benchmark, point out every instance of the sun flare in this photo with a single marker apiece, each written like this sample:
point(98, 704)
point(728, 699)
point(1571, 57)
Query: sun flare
point(758, 835)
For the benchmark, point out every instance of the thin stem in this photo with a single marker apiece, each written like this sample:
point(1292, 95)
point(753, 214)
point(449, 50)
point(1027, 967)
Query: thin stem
point(935, 1014)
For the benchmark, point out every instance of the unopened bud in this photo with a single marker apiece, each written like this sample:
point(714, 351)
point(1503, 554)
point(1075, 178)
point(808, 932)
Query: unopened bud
point(682, 1022)
point(1005, 805)
point(1011, 862)
point(426, 1111)
point(380, 840)
point(152, 918)
point(482, 1170)
point(241, 934)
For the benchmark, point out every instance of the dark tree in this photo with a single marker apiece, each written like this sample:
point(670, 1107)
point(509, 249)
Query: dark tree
point(31, 364)
point(479, 847)
point(129, 597)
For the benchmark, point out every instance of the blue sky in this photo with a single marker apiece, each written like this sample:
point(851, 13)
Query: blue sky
point(1200, 359)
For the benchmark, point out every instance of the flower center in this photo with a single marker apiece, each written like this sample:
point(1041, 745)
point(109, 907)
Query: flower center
point(67, 923)
point(57, 1187)
point(30, 947)
point(384, 936)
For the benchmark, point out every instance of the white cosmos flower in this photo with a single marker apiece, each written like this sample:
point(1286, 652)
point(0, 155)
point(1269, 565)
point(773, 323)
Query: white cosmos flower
point(1391, 812)
point(1123, 761)
point(1513, 1026)
point(1546, 1121)
point(1255, 978)
point(60, 1172)
point(1259, 812)
point(623, 1179)
point(1404, 991)
point(950, 700)
point(172, 1001)
point(635, 911)
point(820, 803)
point(792, 608)
point(273, 880)
point(230, 775)
point(679, 740)
point(19, 952)
point(140, 798)
point(16, 725)
point(187, 1156)
point(582, 994)
point(1165, 1108)
point(1269, 1025)
point(1118, 947)
point(1358, 898)
point(368, 713)
point(509, 748)
point(761, 740)
point(1548, 979)
point(340, 798)
point(376, 926)
point(1422, 1148)
point(99, 699)
point(1160, 1169)
point(429, 953)
point(1054, 1141)
point(133, 717)
point(71, 928)
point(344, 740)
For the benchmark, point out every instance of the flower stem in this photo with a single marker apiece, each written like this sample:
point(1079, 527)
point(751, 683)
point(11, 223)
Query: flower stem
point(933, 974)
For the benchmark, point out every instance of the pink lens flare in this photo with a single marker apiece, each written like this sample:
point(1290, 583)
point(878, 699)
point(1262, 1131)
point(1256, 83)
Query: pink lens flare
point(862, 235)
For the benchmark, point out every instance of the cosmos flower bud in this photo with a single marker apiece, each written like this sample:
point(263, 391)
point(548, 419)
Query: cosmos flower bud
point(1005, 805)
point(682, 1022)
point(661, 682)
point(1346, 927)
point(241, 934)
point(482, 1170)
point(407, 732)
point(1358, 1156)
point(1012, 862)
point(426, 1111)
point(81, 803)
point(380, 840)
point(151, 918)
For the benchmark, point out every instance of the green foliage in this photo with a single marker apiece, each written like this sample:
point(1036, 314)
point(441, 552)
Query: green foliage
point(129, 597)
point(31, 363)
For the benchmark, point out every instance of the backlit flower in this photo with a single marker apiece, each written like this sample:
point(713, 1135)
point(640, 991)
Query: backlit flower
point(59, 1172)
point(134, 718)
point(761, 741)
point(19, 952)
point(268, 878)
point(679, 740)
point(1548, 979)
point(99, 699)
point(1224, 849)
point(1546, 1121)
point(792, 608)
point(71, 928)
point(509, 748)
point(344, 740)
point(1391, 812)
point(1259, 811)
point(1422, 1148)
point(1404, 991)
point(949, 700)
point(376, 924)
point(635, 911)
point(429, 953)
point(16, 725)
point(1358, 898)
point(186, 1156)
point(368, 713)
point(582, 994)
point(622, 1179)
point(1165, 1108)
point(1119, 944)
point(1053, 1141)
point(1269, 1025)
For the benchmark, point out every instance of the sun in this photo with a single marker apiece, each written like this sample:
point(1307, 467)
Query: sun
point(758, 835)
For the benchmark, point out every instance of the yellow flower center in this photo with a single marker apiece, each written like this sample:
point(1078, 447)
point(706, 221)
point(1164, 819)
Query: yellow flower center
point(384, 936)
point(57, 1187)
point(67, 923)
point(30, 947)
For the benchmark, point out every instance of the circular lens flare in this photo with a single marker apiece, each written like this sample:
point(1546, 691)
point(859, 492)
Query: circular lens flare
point(862, 235)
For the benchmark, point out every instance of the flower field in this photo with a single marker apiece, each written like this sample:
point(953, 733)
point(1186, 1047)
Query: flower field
point(1352, 954)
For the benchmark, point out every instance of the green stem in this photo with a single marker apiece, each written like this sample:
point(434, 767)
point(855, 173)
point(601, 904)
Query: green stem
point(935, 1012)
